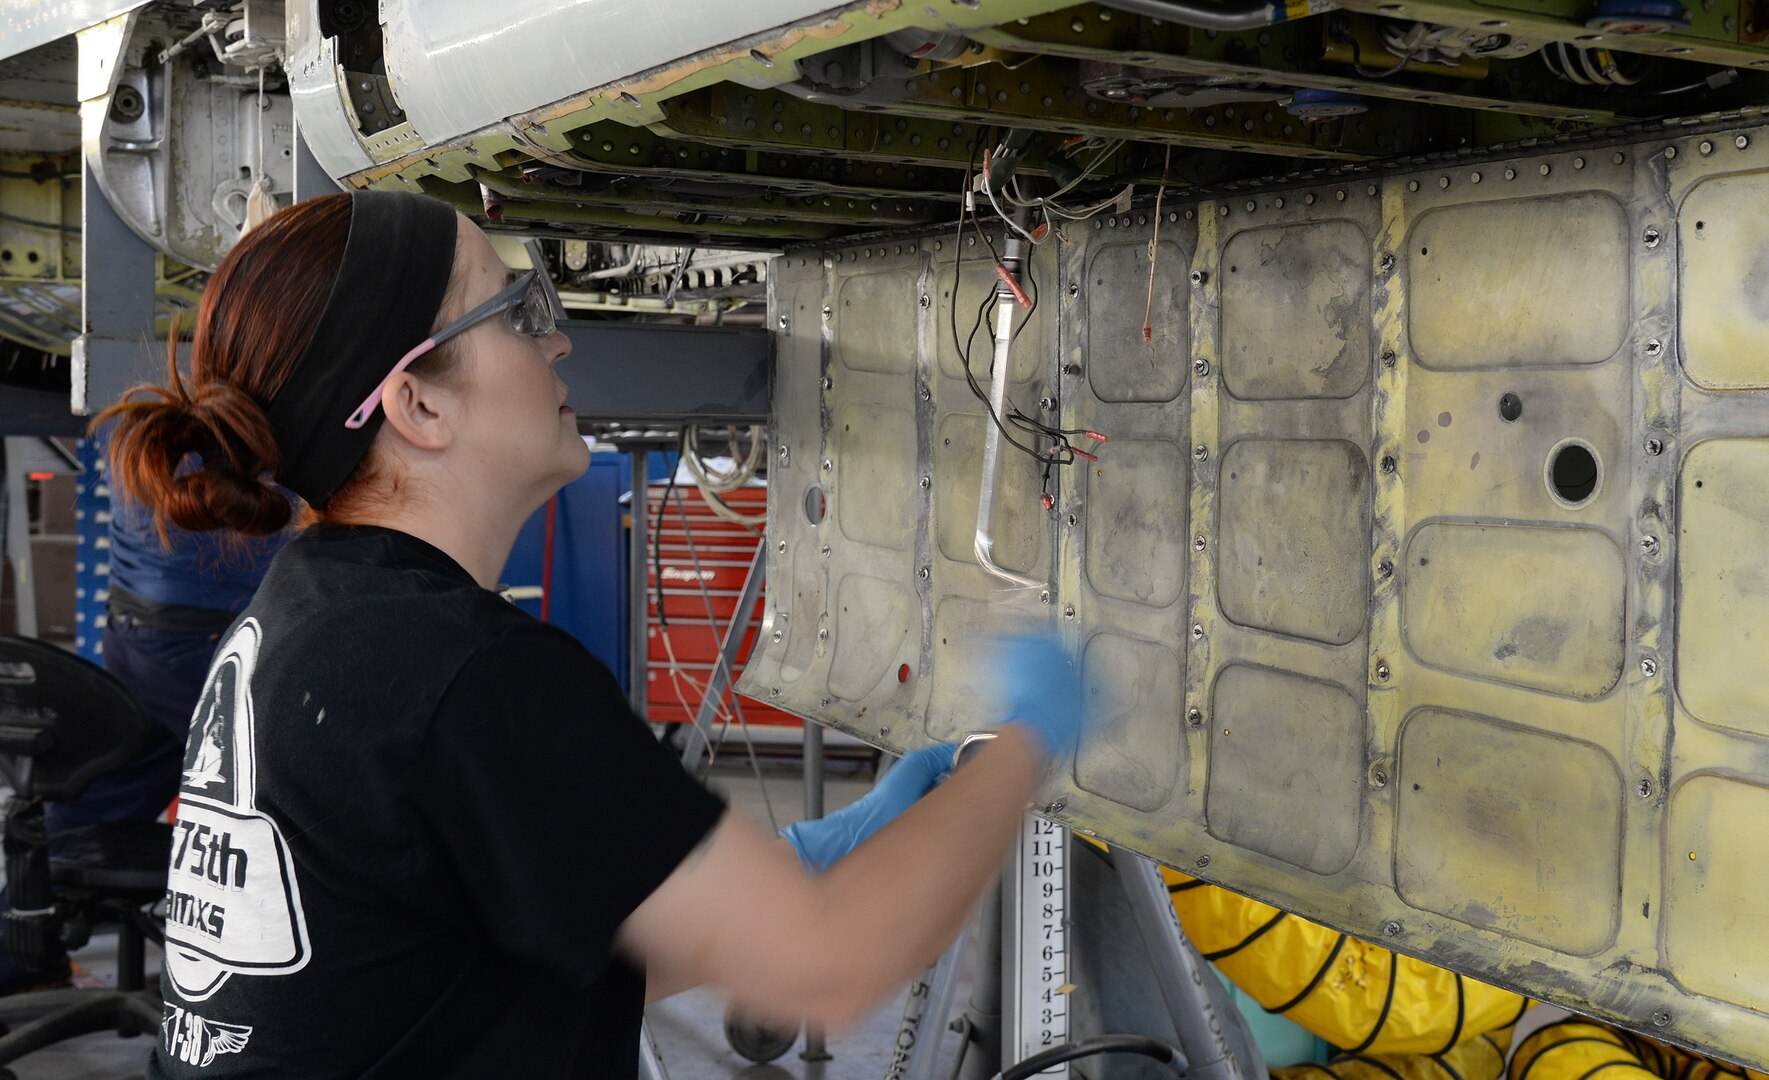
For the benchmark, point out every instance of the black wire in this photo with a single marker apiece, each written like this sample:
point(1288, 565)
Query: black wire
point(657, 532)
point(1102, 1044)
point(32, 223)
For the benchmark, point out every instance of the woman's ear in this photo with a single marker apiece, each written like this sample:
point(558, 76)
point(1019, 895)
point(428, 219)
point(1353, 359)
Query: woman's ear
point(419, 410)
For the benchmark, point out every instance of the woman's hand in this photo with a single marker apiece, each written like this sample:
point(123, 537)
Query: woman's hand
point(821, 842)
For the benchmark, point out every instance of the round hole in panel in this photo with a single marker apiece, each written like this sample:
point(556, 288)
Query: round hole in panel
point(1510, 408)
point(1574, 473)
point(816, 504)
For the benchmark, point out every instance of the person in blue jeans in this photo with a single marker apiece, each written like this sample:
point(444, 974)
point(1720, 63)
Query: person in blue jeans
point(170, 603)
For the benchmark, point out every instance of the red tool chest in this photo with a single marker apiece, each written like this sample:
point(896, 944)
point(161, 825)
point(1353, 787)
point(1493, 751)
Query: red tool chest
point(718, 558)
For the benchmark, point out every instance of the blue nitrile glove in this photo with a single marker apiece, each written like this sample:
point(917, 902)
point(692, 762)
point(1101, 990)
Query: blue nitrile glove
point(821, 842)
point(1039, 687)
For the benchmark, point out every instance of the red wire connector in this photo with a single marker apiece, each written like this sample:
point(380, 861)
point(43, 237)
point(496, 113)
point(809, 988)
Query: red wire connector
point(1049, 503)
point(1040, 232)
point(1096, 436)
point(1019, 294)
point(1078, 452)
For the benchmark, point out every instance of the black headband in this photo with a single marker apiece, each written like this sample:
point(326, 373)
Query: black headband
point(383, 302)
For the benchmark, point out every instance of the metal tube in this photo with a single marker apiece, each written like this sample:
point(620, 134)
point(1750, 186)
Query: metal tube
point(984, 547)
point(1235, 15)
point(638, 595)
point(1212, 1032)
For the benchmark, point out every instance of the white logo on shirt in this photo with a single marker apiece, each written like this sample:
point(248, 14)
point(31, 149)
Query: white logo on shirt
point(196, 1040)
point(232, 903)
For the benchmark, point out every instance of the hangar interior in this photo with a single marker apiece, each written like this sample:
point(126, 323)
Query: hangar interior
point(1364, 392)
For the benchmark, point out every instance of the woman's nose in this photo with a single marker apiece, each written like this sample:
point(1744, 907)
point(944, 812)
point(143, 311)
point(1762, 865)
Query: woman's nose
point(557, 346)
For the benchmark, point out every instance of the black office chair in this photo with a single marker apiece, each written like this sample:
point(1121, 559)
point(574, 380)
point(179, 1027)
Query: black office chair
point(63, 723)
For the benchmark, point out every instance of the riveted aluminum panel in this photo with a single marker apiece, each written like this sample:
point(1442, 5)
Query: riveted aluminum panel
point(1389, 660)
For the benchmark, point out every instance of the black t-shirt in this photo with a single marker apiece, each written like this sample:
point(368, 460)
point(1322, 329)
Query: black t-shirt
point(412, 819)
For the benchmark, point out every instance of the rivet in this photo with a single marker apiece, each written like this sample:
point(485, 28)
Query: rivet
point(1578, 163)
point(1194, 716)
point(1068, 611)
point(1386, 262)
point(1308, 199)
point(1650, 237)
point(1654, 346)
point(1443, 181)
point(1510, 174)
point(828, 466)
point(1202, 367)
point(1649, 545)
point(1648, 667)
point(785, 322)
point(1545, 168)
point(1222, 211)
point(1618, 157)
point(1391, 928)
point(1197, 631)
point(1670, 152)
point(780, 547)
point(1340, 195)
point(1474, 178)
point(927, 482)
point(1645, 789)
point(1385, 568)
point(1654, 447)
point(1382, 671)
point(778, 637)
point(1252, 206)
point(1044, 597)
point(823, 633)
point(1742, 141)
point(1203, 861)
point(1706, 147)
point(1198, 542)
point(1412, 185)
point(1200, 452)
point(827, 383)
point(1379, 778)
point(1199, 277)
point(1661, 1019)
point(824, 551)
point(1055, 807)
point(1387, 357)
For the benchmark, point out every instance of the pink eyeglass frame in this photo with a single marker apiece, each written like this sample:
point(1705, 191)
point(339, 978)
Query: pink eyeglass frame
point(510, 296)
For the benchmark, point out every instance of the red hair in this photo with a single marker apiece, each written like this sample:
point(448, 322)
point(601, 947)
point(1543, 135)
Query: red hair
point(257, 315)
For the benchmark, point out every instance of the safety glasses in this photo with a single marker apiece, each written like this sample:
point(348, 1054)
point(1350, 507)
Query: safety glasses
point(525, 307)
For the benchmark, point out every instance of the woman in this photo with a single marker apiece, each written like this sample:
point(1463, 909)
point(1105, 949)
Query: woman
point(419, 833)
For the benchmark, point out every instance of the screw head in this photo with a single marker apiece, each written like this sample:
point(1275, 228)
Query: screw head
point(1391, 928)
point(1055, 807)
point(1650, 237)
point(1203, 861)
point(774, 693)
point(1387, 357)
point(1194, 716)
point(785, 322)
point(1199, 277)
point(823, 633)
point(1044, 597)
point(1197, 631)
point(785, 451)
point(1047, 404)
point(1198, 542)
point(1388, 465)
point(1742, 141)
point(827, 383)
point(1654, 347)
point(926, 300)
point(927, 482)
point(1648, 667)
point(778, 637)
point(1382, 671)
point(828, 311)
point(924, 573)
point(828, 465)
point(1068, 611)
point(1385, 568)
point(1661, 1019)
point(824, 551)
point(1654, 447)
point(780, 547)
point(926, 394)
point(1074, 291)
point(1379, 778)
point(1386, 262)
point(1645, 789)
point(1202, 367)
point(1649, 546)
point(1200, 452)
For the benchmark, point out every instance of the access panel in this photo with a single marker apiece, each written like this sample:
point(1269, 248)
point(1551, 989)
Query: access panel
point(1421, 585)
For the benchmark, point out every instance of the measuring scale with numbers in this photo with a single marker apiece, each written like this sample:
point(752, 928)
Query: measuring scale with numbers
point(1037, 953)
